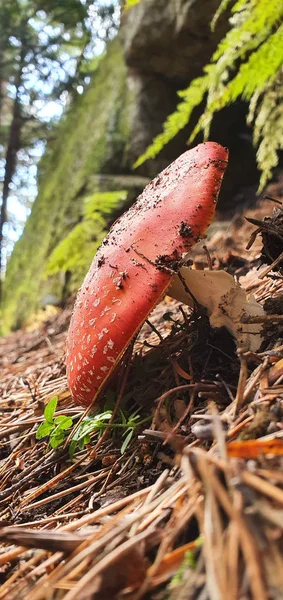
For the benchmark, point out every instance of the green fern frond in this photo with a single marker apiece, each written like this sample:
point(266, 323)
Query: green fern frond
point(75, 252)
point(252, 24)
point(268, 128)
point(261, 67)
point(177, 120)
point(246, 64)
point(221, 9)
point(251, 79)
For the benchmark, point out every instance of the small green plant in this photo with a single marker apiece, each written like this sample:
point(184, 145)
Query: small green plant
point(89, 425)
point(54, 427)
point(98, 424)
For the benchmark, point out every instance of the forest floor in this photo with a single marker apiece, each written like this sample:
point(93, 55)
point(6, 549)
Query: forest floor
point(182, 496)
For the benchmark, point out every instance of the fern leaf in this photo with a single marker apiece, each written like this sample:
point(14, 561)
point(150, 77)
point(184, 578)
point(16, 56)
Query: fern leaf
point(268, 128)
point(261, 67)
point(221, 9)
point(192, 97)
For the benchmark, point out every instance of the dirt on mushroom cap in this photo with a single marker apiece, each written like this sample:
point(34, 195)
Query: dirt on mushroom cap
point(134, 265)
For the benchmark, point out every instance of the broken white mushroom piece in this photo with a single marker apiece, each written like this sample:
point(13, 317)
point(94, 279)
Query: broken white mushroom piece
point(226, 302)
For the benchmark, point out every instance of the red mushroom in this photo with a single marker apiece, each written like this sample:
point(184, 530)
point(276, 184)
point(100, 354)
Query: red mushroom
point(136, 262)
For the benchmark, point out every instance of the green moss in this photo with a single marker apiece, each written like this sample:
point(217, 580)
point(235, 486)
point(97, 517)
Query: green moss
point(89, 140)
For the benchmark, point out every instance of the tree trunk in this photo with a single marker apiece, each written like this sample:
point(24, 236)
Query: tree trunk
point(13, 146)
point(1, 89)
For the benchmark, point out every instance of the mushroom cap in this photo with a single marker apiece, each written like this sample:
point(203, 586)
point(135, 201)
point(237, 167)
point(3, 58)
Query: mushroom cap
point(135, 263)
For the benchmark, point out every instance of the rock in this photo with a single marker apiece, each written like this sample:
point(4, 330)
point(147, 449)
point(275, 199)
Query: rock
point(172, 38)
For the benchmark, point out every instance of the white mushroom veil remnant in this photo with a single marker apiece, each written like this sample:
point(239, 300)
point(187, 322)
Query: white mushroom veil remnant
point(226, 303)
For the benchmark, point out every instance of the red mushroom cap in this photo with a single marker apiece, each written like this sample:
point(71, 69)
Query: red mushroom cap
point(135, 263)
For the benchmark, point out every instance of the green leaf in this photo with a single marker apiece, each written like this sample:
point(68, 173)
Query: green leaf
point(81, 443)
point(63, 422)
point(56, 439)
point(91, 424)
point(44, 430)
point(127, 441)
point(123, 417)
point(105, 416)
point(50, 409)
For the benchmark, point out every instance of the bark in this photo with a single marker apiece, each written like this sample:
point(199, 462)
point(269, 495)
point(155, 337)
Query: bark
point(13, 146)
point(1, 89)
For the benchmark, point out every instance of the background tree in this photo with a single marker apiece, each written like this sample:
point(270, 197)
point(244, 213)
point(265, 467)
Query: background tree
point(47, 51)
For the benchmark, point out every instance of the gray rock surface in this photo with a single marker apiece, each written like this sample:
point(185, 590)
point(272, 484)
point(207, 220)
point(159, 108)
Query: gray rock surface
point(172, 38)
